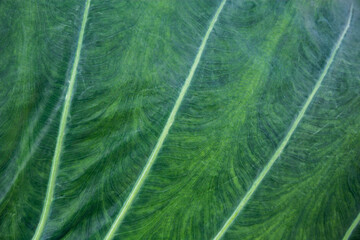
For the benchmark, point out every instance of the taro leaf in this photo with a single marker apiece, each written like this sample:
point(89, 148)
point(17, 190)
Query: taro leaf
point(171, 119)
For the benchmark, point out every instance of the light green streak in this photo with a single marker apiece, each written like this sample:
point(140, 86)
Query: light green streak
point(352, 227)
point(283, 144)
point(140, 181)
point(61, 134)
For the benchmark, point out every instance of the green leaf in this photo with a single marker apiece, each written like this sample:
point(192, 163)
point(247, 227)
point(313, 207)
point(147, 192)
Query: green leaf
point(172, 119)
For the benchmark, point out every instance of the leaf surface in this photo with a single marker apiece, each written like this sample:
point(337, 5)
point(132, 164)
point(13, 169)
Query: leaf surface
point(171, 113)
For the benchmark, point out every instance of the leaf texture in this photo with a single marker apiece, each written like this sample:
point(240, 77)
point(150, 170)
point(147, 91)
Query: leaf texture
point(107, 76)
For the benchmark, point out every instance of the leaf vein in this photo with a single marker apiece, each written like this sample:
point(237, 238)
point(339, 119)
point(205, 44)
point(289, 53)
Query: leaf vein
point(352, 227)
point(289, 134)
point(140, 181)
point(60, 138)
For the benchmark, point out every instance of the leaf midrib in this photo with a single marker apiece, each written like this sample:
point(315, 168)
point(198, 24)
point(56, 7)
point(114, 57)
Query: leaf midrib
point(62, 127)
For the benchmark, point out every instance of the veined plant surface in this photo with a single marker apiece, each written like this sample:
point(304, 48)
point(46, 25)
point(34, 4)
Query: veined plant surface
point(168, 119)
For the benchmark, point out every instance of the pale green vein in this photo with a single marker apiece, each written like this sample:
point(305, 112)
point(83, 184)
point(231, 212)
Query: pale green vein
point(285, 141)
point(352, 227)
point(140, 181)
point(61, 134)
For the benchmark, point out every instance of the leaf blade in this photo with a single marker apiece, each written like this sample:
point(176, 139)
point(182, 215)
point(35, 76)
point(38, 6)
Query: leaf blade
point(259, 66)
